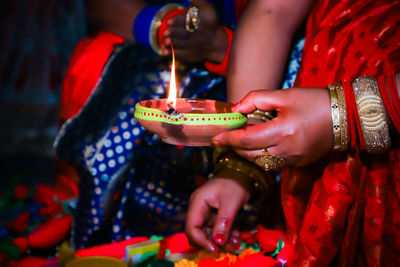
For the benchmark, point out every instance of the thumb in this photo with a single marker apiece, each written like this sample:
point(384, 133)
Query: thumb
point(261, 100)
point(225, 217)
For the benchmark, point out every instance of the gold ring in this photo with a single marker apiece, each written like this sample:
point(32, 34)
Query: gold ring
point(192, 19)
point(261, 115)
point(269, 162)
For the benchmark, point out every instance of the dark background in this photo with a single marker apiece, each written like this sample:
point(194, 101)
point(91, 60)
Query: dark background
point(37, 38)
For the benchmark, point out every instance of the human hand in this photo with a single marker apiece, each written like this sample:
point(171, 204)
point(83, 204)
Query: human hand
point(301, 133)
point(212, 210)
point(208, 43)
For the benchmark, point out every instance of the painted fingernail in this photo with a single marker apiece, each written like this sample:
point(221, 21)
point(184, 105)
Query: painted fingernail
point(212, 248)
point(215, 142)
point(236, 105)
point(235, 240)
point(219, 238)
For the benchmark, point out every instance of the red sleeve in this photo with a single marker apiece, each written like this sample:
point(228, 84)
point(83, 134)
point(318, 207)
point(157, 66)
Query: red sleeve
point(84, 70)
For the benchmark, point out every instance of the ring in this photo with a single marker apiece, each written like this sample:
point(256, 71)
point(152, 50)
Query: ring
point(269, 162)
point(192, 19)
point(261, 115)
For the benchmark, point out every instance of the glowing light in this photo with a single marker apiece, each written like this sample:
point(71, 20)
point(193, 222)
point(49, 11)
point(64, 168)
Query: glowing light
point(172, 91)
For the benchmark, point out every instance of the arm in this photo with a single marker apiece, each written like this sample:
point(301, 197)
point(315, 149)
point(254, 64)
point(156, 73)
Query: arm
point(114, 16)
point(261, 45)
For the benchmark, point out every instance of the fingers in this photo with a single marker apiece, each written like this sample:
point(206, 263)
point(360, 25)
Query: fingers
point(248, 154)
point(255, 137)
point(197, 214)
point(177, 21)
point(261, 100)
point(225, 217)
point(233, 243)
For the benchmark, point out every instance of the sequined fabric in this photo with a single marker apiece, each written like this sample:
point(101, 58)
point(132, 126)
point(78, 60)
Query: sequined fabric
point(345, 211)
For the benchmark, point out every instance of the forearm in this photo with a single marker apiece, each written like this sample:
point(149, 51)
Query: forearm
point(261, 45)
point(115, 16)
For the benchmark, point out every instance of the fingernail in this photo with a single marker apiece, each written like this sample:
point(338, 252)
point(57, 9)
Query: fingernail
point(235, 240)
point(236, 106)
point(215, 142)
point(236, 243)
point(212, 248)
point(219, 238)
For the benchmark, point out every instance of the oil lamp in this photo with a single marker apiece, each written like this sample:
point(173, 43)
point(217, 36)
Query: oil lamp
point(184, 121)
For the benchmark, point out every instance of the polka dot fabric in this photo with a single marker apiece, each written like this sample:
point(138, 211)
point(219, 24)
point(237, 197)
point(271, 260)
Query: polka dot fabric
point(132, 183)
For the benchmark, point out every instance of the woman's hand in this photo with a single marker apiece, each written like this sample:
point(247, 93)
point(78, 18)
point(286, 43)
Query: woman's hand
point(208, 43)
point(301, 133)
point(212, 210)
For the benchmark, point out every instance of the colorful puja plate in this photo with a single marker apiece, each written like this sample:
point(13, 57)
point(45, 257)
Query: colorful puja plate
point(194, 122)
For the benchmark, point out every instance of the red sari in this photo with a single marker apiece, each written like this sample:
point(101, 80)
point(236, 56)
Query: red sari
point(345, 210)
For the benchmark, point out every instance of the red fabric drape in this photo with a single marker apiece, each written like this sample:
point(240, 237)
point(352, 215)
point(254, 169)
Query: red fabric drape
point(84, 70)
point(348, 213)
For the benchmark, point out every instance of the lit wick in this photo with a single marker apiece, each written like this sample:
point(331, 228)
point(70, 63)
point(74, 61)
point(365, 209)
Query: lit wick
point(171, 101)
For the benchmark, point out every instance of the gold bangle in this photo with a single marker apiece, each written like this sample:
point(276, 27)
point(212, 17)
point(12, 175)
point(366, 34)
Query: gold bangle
point(335, 116)
point(156, 23)
point(344, 142)
point(256, 176)
point(372, 115)
point(339, 116)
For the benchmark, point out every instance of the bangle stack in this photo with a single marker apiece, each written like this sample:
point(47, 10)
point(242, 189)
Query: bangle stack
point(366, 112)
point(148, 22)
point(339, 117)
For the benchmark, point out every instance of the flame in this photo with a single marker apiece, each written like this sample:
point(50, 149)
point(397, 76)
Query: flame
point(172, 84)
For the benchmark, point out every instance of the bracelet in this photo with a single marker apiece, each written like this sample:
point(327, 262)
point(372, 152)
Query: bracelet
point(222, 68)
point(164, 26)
point(339, 117)
point(371, 113)
point(148, 22)
point(257, 176)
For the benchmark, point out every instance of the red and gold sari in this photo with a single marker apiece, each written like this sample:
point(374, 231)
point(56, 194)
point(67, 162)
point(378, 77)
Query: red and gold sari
point(345, 210)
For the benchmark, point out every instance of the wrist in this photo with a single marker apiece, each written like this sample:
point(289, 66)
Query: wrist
point(254, 179)
point(217, 61)
point(219, 47)
point(148, 22)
